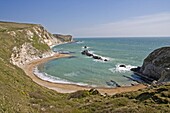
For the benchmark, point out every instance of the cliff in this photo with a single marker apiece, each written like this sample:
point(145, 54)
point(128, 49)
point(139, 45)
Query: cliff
point(63, 38)
point(157, 65)
point(34, 41)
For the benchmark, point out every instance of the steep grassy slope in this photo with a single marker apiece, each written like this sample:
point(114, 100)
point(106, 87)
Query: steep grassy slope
point(19, 94)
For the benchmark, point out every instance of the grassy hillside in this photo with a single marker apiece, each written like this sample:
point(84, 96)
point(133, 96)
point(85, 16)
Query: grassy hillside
point(11, 26)
point(19, 94)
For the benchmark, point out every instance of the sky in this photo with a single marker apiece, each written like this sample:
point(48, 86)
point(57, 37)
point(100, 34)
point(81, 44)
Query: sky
point(93, 18)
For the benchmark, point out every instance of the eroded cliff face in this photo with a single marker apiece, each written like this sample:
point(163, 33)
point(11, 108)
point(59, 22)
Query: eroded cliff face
point(63, 38)
point(26, 53)
point(157, 65)
point(31, 41)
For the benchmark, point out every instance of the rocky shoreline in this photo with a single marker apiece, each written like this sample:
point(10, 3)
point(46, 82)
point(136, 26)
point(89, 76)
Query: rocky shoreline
point(156, 67)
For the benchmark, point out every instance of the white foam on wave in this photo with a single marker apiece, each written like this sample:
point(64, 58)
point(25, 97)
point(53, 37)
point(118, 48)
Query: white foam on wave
point(103, 58)
point(91, 52)
point(86, 47)
point(121, 69)
point(49, 78)
point(72, 74)
point(80, 42)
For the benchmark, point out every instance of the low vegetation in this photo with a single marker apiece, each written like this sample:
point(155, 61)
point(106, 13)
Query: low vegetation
point(40, 46)
point(19, 94)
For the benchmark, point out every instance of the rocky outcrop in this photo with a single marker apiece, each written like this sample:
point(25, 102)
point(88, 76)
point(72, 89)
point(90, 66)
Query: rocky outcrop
point(26, 53)
point(165, 75)
point(63, 38)
point(157, 65)
point(46, 37)
point(87, 53)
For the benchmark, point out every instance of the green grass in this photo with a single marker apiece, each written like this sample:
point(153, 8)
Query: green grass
point(40, 46)
point(19, 94)
point(12, 26)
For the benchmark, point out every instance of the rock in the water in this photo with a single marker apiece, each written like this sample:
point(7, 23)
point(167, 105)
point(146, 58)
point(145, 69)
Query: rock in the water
point(105, 60)
point(122, 65)
point(87, 53)
point(97, 57)
point(135, 69)
point(84, 52)
point(156, 65)
point(112, 83)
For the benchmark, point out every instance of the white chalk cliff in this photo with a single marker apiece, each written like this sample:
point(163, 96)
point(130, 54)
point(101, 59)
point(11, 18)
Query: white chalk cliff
point(37, 44)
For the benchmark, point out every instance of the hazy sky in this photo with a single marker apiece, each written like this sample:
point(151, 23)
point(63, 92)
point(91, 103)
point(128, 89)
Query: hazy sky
point(92, 18)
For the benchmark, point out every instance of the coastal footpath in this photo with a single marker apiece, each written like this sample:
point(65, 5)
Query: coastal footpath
point(22, 44)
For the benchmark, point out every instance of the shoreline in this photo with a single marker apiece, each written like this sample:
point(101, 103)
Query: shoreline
point(69, 88)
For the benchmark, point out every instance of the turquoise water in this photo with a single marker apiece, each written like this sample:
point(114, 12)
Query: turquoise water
point(83, 70)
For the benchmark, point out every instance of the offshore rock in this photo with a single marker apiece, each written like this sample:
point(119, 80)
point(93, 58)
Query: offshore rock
point(122, 65)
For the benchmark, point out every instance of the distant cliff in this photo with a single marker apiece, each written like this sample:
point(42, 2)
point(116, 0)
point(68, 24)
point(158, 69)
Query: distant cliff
point(157, 65)
point(31, 41)
point(63, 38)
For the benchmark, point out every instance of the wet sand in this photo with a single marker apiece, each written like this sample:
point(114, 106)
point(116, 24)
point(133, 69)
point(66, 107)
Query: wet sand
point(69, 88)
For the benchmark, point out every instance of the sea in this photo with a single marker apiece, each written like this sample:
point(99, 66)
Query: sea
point(83, 70)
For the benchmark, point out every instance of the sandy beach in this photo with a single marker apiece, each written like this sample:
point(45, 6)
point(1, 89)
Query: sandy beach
point(68, 88)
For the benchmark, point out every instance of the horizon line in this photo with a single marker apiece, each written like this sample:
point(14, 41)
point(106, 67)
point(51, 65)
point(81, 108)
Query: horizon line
point(122, 37)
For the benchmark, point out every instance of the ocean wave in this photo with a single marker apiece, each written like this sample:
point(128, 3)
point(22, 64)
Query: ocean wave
point(49, 78)
point(85, 47)
point(62, 51)
point(121, 69)
point(80, 42)
point(72, 74)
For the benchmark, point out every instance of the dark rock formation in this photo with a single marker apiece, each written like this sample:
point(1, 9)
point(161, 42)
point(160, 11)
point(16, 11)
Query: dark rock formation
point(105, 60)
point(165, 75)
point(94, 91)
point(87, 53)
point(113, 83)
point(135, 69)
point(122, 65)
point(97, 57)
point(157, 65)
